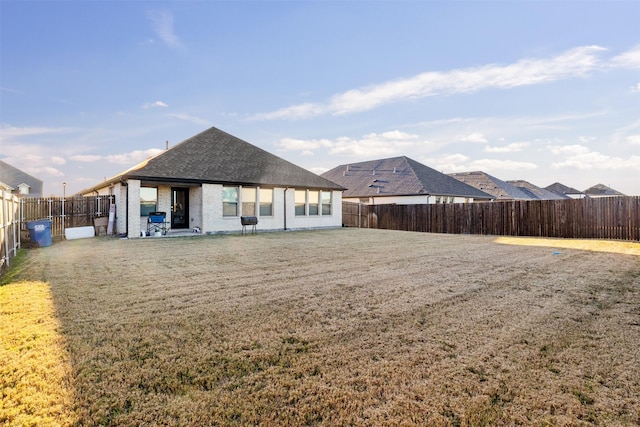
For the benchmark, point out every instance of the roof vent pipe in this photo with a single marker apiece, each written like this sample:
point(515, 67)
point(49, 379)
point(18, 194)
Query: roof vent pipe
point(374, 171)
point(166, 145)
point(394, 169)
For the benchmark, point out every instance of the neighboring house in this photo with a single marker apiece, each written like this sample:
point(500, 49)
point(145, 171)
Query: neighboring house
point(400, 180)
point(21, 183)
point(499, 189)
point(536, 192)
point(601, 190)
point(566, 191)
point(212, 179)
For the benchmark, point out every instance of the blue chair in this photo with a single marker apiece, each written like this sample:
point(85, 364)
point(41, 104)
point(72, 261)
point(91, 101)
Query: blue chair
point(157, 221)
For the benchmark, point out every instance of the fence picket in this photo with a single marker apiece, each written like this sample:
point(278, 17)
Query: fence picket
point(596, 218)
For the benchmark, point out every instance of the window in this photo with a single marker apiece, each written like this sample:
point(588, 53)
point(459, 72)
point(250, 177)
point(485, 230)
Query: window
point(301, 202)
point(314, 201)
point(325, 200)
point(229, 201)
point(248, 201)
point(148, 200)
point(266, 202)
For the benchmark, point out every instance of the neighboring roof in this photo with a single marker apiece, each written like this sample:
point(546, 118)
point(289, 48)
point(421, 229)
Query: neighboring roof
point(398, 176)
point(214, 156)
point(562, 189)
point(537, 192)
point(601, 190)
point(13, 177)
point(499, 189)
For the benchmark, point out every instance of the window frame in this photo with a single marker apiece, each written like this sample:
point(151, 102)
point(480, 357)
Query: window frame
point(243, 202)
point(228, 203)
point(261, 204)
point(297, 203)
point(329, 205)
point(313, 207)
point(145, 212)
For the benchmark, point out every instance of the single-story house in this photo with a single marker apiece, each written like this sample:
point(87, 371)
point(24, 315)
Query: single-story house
point(211, 180)
point(19, 182)
point(499, 189)
point(536, 192)
point(601, 190)
point(565, 190)
point(400, 180)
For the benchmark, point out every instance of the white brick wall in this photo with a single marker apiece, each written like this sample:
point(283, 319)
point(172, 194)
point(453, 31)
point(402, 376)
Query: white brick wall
point(205, 210)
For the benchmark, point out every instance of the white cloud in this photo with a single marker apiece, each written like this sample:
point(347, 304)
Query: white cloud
point(156, 104)
point(594, 160)
point(475, 137)
point(132, 157)
point(575, 62)
point(51, 171)
point(162, 23)
point(302, 111)
point(85, 158)
point(570, 150)
point(510, 148)
point(369, 146)
point(461, 163)
point(489, 165)
point(9, 132)
point(57, 160)
point(290, 144)
point(190, 118)
point(633, 139)
point(448, 163)
point(629, 59)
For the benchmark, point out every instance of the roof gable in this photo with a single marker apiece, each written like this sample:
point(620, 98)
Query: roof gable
point(562, 189)
point(537, 192)
point(602, 190)
point(397, 176)
point(499, 189)
point(214, 156)
point(15, 177)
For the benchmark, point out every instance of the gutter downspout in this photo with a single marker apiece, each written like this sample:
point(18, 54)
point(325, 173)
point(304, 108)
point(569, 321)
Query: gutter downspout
point(285, 208)
point(126, 218)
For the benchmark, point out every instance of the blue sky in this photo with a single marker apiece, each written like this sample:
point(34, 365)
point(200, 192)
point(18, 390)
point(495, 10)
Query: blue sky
point(534, 90)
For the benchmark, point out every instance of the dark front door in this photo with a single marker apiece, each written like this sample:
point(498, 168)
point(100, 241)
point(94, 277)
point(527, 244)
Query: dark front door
point(179, 208)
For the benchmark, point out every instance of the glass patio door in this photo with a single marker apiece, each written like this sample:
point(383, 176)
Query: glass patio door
point(179, 208)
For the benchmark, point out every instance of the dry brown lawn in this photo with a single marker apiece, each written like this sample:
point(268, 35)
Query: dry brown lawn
point(340, 327)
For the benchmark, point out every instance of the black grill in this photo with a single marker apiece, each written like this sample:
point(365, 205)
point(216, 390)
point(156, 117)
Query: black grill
point(248, 220)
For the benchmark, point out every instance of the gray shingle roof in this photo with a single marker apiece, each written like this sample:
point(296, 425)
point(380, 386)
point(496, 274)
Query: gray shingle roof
point(602, 190)
point(13, 177)
point(398, 176)
point(537, 192)
point(214, 156)
point(499, 189)
point(562, 189)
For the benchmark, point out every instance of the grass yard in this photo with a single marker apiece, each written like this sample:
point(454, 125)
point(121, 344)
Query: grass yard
point(336, 327)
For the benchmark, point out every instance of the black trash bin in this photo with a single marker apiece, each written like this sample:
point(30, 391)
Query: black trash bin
point(40, 232)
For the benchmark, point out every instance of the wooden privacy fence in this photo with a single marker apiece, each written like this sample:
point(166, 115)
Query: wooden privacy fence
point(597, 218)
point(76, 211)
point(9, 228)
point(15, 213)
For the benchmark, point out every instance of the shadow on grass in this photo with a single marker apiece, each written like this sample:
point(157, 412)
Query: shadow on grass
point(35, 373)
